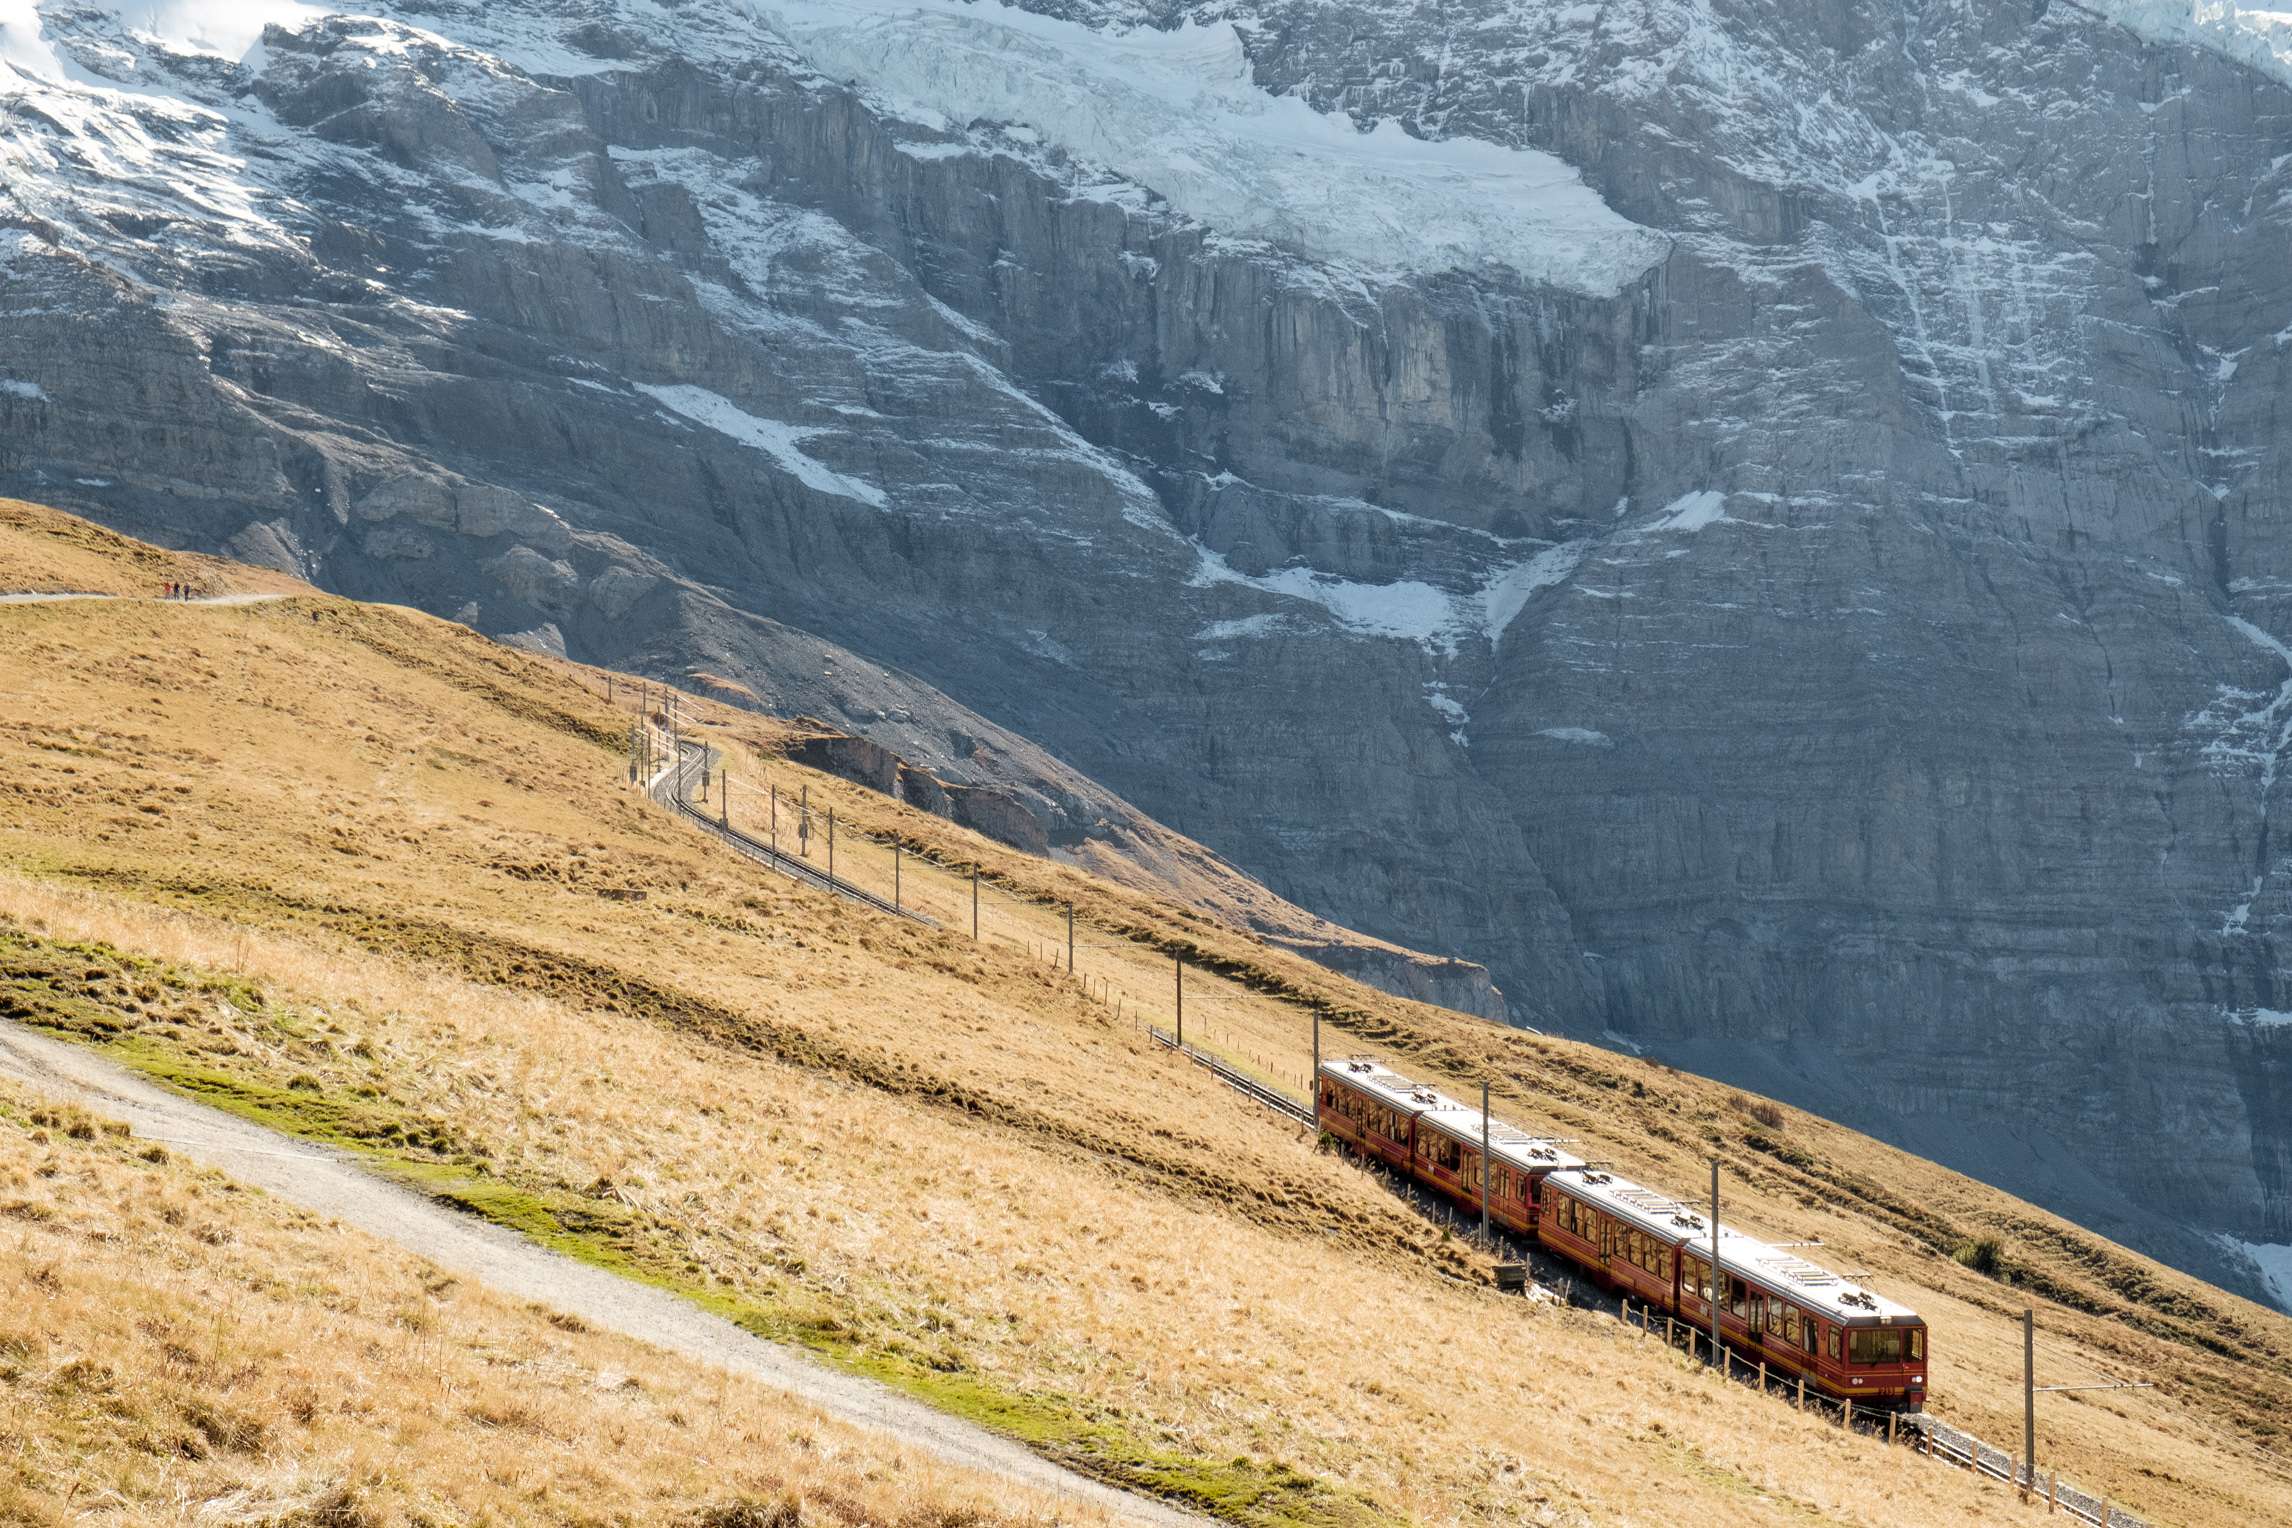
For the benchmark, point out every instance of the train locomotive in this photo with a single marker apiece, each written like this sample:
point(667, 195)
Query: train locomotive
point(1803, 1321)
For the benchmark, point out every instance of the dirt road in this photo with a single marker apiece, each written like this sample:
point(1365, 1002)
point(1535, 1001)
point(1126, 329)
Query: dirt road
point(335, 1186)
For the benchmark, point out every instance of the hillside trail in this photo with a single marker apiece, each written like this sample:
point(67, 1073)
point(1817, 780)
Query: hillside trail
point(333, 1185)
point(154, 599)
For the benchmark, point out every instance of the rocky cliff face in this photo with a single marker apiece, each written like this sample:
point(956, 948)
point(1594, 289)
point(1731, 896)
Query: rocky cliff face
point(1804, 598)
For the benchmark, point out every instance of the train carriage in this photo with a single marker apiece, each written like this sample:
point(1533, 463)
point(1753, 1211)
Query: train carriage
point(1437, 1141)
point(1373, 1109)
point(1776, 1308)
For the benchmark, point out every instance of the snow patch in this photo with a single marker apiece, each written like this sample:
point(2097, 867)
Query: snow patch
point(1179, 113)
point(1438, 697)
point(1409, 609)
point(1507, 593)
point(28, 390)
point(782, 442)
point(1419, 612)
point(1692, 512)
point(1588, 736)
point(1246, 626)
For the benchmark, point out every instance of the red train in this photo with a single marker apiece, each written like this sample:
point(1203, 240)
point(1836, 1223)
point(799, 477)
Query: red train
point(1800, 1320)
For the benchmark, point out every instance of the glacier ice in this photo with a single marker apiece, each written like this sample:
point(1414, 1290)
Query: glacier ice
point(1178, 113)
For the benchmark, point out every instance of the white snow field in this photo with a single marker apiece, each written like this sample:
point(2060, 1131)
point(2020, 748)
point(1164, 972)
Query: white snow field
point(1178, 113)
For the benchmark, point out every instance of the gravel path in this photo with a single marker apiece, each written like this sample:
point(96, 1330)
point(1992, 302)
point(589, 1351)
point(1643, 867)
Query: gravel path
point(332, 1185)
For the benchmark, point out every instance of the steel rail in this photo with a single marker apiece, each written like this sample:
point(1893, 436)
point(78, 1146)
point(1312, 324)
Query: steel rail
point(670, 788)
point(1242, 1082)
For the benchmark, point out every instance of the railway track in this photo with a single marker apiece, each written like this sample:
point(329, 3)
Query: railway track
point(672, 788)
point(1280, 1103)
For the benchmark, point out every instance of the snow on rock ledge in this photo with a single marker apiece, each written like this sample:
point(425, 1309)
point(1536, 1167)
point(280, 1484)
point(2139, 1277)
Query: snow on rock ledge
point(1178, 113)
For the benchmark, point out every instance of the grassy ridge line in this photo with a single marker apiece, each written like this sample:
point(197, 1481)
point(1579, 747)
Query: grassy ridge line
point(137, 1012)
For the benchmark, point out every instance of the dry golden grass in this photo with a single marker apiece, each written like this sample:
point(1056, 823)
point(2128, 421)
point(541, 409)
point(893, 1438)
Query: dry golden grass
point(175, 1349)
point(940, 1160)
point(44, 551)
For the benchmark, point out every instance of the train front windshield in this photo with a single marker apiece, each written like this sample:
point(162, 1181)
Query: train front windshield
point(1883, 1345)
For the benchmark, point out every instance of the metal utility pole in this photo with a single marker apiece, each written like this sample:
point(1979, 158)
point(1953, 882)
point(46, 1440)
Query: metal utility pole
point(1178, 963)
point(1484, 1162)
point(1718, 1354)
point(974, 904)
point(1070, 939)
point(775, 819)
point(2028, 1398)
point(1314, 1091)
point(724, 798)
point(895, 877)
point(831, 843)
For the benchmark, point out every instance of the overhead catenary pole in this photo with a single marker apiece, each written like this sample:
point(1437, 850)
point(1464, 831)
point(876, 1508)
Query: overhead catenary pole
point(895, 877)
point(1070, 939)
point(724, 798)
point(1712, 1291)
point(1484, 1159)
point(1313, 1088)
point(1178, 964)
point(831, 843)
point(974, 903)
point(2028, 1398)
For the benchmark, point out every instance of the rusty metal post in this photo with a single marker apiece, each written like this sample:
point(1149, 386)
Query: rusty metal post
point(1717, 1286)
point(2028, 1398)
point(1484, 1162)
point(1178, 963)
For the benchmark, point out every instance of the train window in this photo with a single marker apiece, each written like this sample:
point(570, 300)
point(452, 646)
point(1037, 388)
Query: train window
point(1790, 1315)
point(1775, 1309)
point(1917, 1344)
point(1737, 1293)
point(1807, 1334)
point(1833, 1340)
point(1875, 1345)
point(1697, 1278)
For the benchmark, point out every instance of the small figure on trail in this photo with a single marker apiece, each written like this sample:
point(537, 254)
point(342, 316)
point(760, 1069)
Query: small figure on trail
point(171, 590)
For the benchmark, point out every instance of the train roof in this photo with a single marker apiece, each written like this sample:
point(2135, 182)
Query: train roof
point(1775, 1268)
point(1461, 1121)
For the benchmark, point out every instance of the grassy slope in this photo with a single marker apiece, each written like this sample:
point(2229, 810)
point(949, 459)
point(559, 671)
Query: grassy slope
point(171, 1345)
point(45, 552)
point(461, 942)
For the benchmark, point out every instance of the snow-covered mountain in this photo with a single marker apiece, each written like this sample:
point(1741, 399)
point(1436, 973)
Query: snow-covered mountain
point(1757, 519)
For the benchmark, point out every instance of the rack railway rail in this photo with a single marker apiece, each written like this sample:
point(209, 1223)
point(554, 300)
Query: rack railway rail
point(1281, 1103)
point(672, 787)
